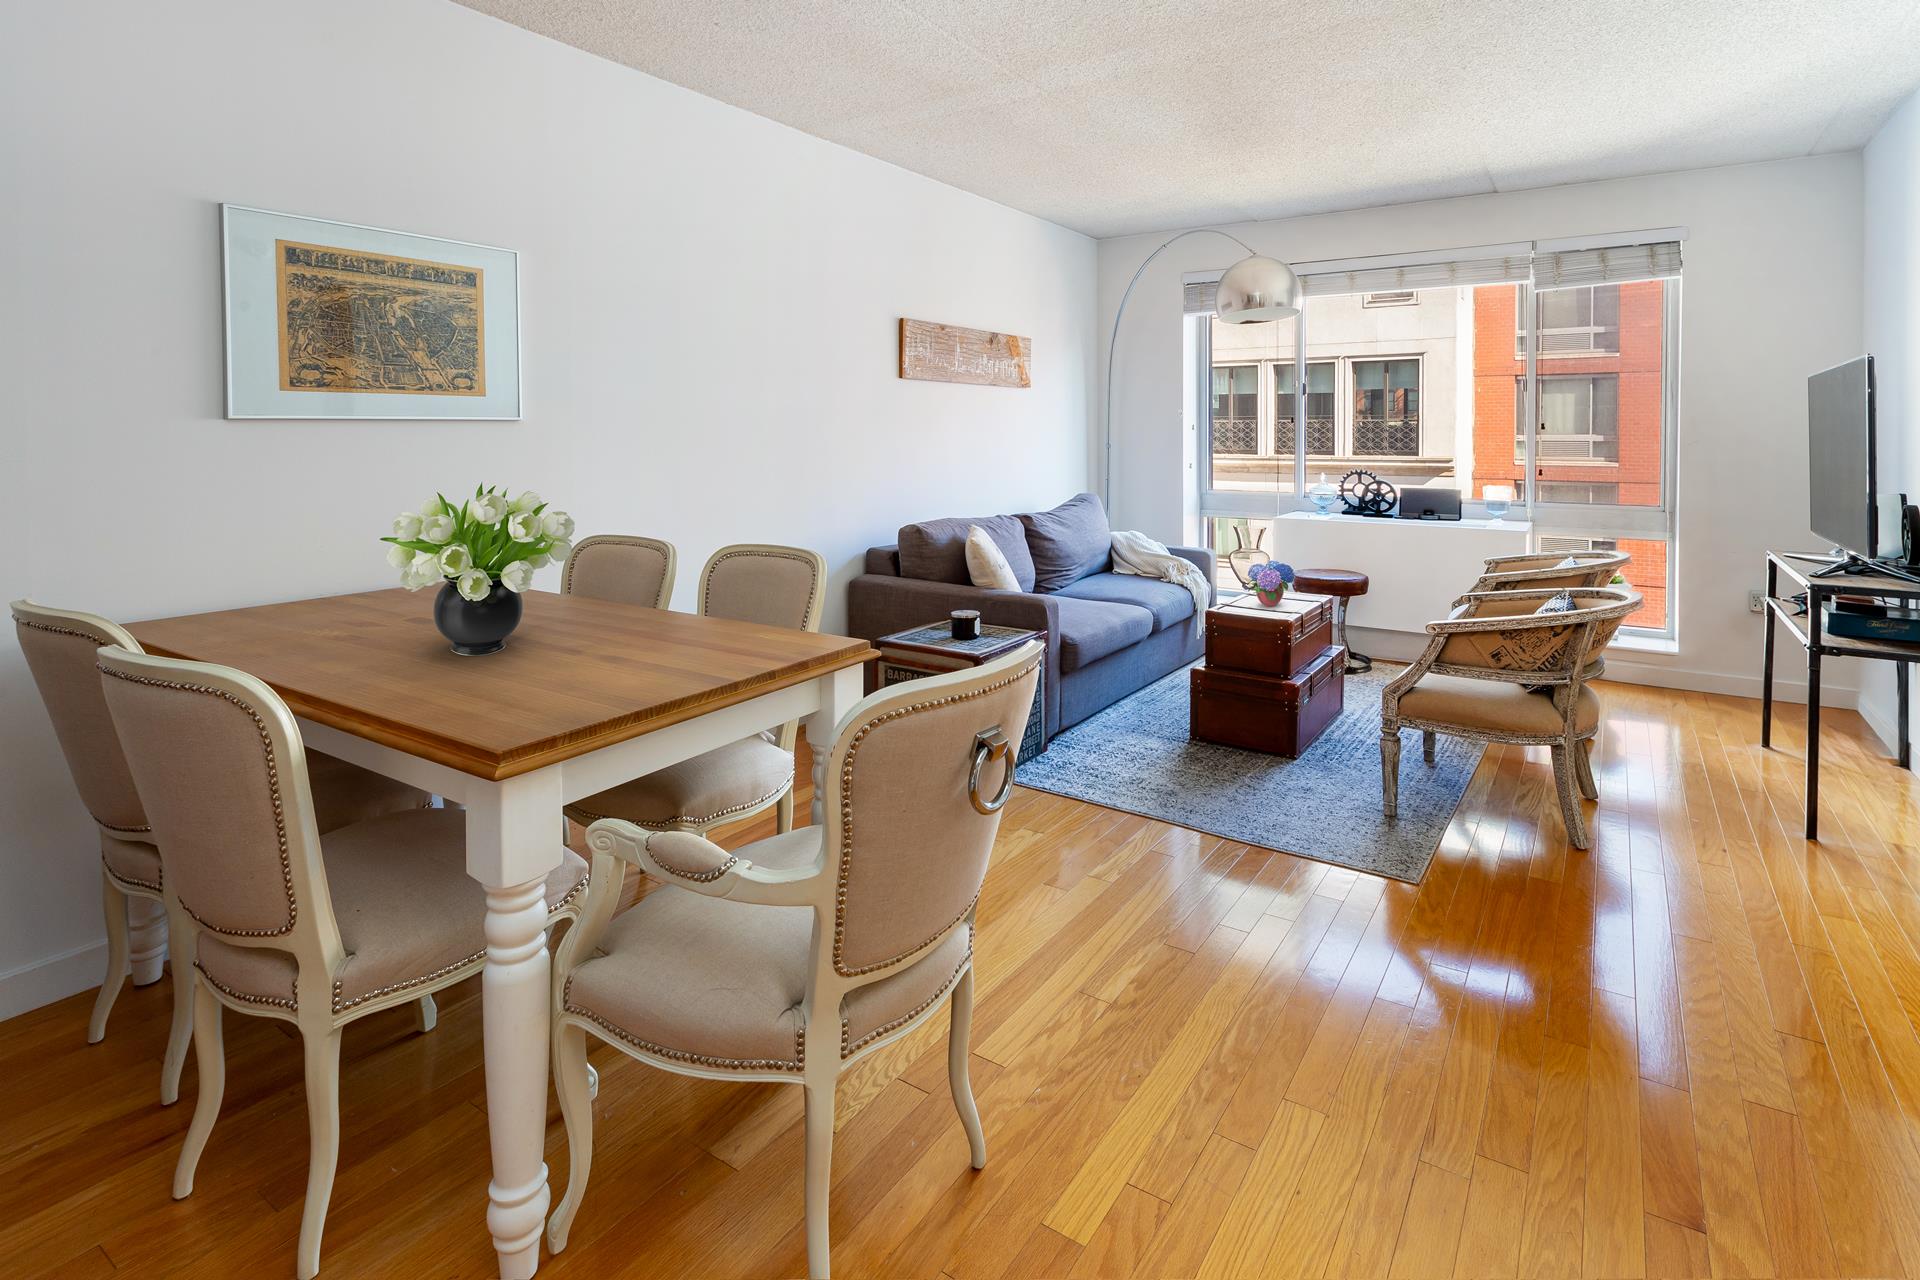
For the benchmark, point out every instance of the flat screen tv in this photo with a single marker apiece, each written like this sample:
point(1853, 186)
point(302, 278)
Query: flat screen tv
point(1840, 457)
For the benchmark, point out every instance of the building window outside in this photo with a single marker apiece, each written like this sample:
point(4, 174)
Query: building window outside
point(1322, 439)
point(1575, 322)
point(1236, 397)
point(1386, 408)
point(1579, 419)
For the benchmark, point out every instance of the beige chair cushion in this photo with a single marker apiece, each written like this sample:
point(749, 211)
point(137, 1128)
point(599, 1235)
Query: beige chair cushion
point(733, 779)
point(408, 912)
point(768, 585)
point(1493, 707)
point(131, 860)
point(719, 983)
point(344, 794)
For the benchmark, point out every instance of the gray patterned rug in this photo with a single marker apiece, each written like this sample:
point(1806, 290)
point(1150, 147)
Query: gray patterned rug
point(1136, 756)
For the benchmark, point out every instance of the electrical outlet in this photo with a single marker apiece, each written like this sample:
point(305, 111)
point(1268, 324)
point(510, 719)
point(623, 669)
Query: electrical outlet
point(1756, 602)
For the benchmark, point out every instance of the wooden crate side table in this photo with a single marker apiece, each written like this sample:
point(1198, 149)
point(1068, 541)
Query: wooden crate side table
point(931, 650)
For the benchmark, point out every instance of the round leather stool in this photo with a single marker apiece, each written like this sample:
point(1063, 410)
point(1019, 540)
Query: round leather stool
point(1342, 585)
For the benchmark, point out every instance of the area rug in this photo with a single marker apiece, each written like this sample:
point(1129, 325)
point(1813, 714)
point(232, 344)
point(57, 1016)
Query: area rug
point(1136, 756)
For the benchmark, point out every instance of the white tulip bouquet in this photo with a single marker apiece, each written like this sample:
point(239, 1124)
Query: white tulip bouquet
point(475, 544)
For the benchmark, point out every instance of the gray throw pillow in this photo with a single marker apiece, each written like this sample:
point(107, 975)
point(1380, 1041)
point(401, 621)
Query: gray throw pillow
point(1069, 543)
point(936, 550)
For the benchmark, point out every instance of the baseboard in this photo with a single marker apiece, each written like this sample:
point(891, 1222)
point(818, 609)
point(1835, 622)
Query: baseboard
point(1880, 718)
point(54, 978)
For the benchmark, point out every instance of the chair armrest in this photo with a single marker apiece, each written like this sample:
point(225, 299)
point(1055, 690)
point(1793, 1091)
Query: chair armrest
point(696, 863)
point(1207, 562)
point(878, 606)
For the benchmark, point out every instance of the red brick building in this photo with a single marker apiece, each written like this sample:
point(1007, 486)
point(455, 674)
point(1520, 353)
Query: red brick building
point(1598, 430)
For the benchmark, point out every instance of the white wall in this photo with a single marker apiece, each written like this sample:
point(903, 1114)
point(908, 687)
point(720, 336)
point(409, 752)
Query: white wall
point(709, 306)
point(1771, 293)
point(1892, 334)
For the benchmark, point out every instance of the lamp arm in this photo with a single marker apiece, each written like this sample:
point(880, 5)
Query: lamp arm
point(1113, 341)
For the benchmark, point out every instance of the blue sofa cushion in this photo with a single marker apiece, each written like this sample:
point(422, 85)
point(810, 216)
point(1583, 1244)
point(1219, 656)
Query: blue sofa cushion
point(1068, 542)
point(1092, 629)
point(936, 550)
point(1169, 604)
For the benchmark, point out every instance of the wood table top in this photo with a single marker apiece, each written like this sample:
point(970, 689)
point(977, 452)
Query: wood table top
point(579, 674)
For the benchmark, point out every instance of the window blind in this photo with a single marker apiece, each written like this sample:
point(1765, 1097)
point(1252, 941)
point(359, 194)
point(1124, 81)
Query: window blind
point(1199, 298)
point(1460, 272)
point(1610, 264)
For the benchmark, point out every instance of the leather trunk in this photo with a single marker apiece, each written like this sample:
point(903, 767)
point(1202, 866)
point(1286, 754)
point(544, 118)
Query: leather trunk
point(1268, 713)
point(1281, 641)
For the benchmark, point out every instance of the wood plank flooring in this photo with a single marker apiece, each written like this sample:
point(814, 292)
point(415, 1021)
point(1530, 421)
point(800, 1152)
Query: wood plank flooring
point(1691, 1050)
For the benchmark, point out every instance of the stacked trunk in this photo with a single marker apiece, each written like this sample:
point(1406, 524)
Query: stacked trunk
point(1274, 679)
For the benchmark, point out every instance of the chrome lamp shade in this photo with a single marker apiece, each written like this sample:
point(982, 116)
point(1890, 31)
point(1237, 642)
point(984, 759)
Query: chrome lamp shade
point(1255, 289)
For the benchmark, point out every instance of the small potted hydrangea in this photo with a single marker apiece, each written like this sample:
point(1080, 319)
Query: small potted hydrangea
point(483, 552)
point(1270, 581)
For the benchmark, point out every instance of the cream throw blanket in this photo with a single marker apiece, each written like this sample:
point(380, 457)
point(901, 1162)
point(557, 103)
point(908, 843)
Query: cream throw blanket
point(1141, 556)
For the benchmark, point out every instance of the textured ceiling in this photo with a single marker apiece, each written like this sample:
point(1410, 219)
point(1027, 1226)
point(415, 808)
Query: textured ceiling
point(1122, 117)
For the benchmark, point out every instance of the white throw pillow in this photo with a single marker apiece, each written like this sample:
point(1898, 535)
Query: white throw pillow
point(987, 564)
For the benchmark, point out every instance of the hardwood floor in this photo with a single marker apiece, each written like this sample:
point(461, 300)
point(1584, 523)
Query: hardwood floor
point(1691, 1050)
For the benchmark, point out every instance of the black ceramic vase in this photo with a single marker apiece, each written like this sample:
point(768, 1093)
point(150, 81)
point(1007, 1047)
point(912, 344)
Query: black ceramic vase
point(476, 626)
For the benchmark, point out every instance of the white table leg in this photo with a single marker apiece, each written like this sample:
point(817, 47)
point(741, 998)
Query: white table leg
point(146, 939)
point(838, 692)
point(510, 850)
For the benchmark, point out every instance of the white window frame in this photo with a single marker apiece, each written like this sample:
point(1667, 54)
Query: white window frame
point(1548, 519)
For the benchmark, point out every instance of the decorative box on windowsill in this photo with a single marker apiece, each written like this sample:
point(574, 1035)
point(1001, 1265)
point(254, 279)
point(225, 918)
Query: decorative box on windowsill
point(931, 650)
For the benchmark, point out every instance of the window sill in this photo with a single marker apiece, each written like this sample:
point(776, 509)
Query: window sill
point(1465, 522)
point(1645, 644)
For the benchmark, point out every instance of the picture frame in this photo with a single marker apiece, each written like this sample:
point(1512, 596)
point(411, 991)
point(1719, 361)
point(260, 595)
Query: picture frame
point(336, 320)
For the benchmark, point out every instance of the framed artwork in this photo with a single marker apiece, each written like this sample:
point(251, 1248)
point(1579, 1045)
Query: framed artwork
point(333, 320)
point(949, 353)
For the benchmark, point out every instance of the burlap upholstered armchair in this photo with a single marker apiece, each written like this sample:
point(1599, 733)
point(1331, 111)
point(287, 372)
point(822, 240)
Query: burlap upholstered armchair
point(316, 931)
point(796, 956)
point(1543, 569)
point(1498, 670)
point(615, 566)
point(774, 586)
point(60, 647)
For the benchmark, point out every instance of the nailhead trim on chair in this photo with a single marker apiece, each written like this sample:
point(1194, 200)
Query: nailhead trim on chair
point(244, 998)
point(848, 1050)
point(681, 1055)
point(273, 784)
point(98, 643)
point(697, 877)
point(341, 1006)
point(768, 553)
point(124, 881)
point(680, 821)
point(846, 823)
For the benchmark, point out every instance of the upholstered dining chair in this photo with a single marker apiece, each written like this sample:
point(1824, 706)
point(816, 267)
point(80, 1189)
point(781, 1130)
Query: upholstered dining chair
point(1555, 569)
point(60, 646)
point(1499, 668)
point(796, 956)
point(777, 586)
point(617, 566)
point(316, 931)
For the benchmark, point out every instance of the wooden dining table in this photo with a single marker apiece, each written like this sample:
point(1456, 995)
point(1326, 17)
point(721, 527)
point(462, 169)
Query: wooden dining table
point(587, 694)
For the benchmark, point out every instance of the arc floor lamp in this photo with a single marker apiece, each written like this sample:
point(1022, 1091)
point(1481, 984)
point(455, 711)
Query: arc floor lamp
point(1254, 289)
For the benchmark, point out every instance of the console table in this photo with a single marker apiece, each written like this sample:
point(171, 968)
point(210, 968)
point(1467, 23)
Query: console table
point(1799, 570)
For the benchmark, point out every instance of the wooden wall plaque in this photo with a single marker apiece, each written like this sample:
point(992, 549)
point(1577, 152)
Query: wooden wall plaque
point(948, 353)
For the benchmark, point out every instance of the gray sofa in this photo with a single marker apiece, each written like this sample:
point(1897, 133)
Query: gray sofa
point(1108, 634)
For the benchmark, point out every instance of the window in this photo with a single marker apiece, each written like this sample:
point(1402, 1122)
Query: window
point(1648, 572)
point(1579, 420)
point(1236, 395)
point(1579, 321)
point(1386, 408)
point(1320, 419)
point(1561, 491)
point(1549, 368)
